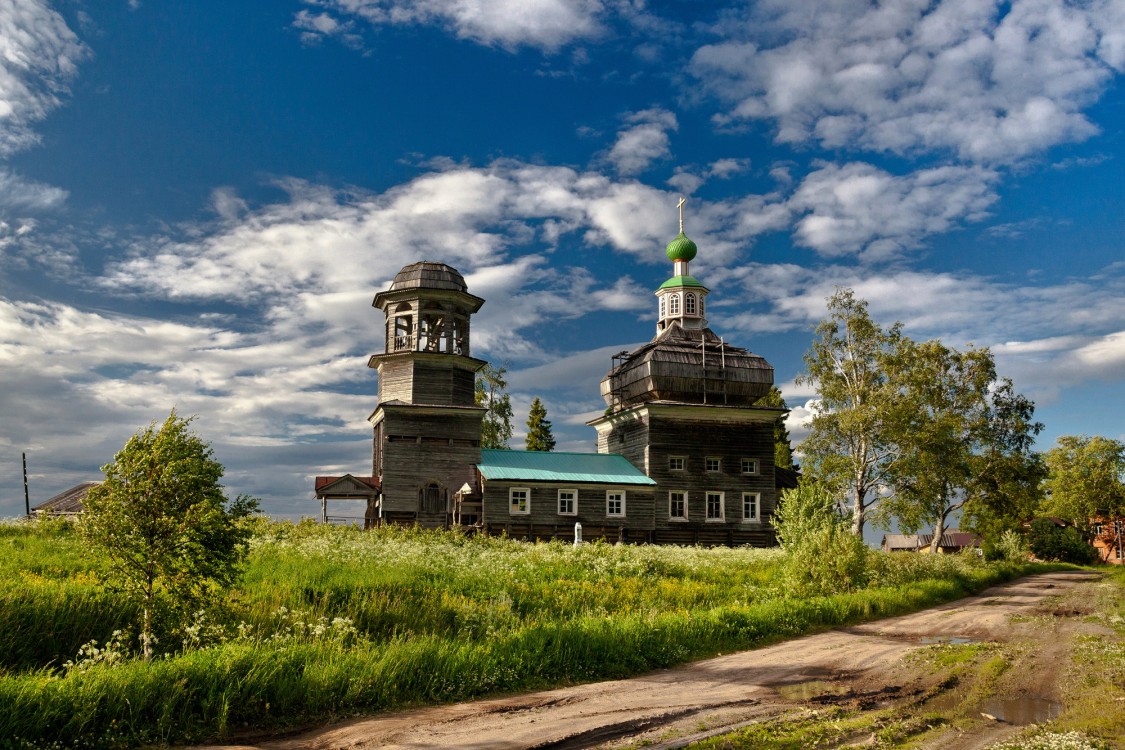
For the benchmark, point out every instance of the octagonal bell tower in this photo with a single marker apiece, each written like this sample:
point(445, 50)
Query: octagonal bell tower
point(426, 427)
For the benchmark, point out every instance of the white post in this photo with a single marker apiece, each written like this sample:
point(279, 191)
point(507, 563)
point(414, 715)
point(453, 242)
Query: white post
point(577, 533)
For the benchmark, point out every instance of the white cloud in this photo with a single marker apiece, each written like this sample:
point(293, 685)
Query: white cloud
point(19, 194)
point(644, 141)
point(316, 27)
point(1045, 337)
point(857, 208)
point(546, 24)
point(39, 55)
point(988, 81)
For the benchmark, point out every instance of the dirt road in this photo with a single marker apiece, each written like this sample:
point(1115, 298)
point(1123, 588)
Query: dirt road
point(863, 665)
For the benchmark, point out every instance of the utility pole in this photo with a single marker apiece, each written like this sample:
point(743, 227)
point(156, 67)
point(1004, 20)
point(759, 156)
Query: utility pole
point(26, 499)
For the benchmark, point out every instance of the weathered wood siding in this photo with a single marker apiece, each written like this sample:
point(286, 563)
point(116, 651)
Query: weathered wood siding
point(649, 437)
point(396, 379)
point(698, 440)
point(629, 438)
point(421, 448)
point(545, 521)
point(415, 382)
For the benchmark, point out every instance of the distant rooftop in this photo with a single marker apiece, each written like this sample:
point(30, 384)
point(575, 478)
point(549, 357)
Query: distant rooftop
point(67, 502)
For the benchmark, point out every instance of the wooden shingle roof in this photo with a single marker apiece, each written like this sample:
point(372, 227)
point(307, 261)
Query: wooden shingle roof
point(67, 502)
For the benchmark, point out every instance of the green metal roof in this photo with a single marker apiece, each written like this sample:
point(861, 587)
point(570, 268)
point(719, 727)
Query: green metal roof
point(681, 281)
point(535, 466)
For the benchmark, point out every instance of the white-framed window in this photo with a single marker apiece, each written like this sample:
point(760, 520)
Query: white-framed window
point(712, 464)
point(675, 463)
point(689, 304)
point(701, 304)
point(751, 503)
point(615, 503)
point(662, 307)
point(677, 505)
point(568, 502)
point(749, 466)
point(519, 501)
point(715, 507)
point(674, 304)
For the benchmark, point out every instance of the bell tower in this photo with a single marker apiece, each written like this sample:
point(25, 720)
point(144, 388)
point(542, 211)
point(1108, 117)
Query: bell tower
point(426, 427)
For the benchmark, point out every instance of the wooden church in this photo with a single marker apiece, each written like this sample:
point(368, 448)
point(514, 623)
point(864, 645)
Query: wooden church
point(683, 454)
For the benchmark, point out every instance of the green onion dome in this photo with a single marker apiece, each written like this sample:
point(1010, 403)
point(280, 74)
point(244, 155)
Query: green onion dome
point(681, 248)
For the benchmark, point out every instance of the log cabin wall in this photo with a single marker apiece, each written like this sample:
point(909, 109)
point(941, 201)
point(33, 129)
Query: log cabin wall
point(422, 447)
point(695, 450)
point(543, 521)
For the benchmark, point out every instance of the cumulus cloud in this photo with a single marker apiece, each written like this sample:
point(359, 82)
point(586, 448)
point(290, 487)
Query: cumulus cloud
point(644, 140)
point(545, 24)
point(78, 383)
point(988, 81)
point(857, 208)
point(1045, 336)
point(39, 56)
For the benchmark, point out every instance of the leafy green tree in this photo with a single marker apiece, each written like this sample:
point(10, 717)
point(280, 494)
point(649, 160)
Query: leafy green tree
point(1007, 486)
point(848, 447)
point(956, 441)
point(492, 393)
point(1084, 486)
point(162, 519)
point(782, 445)
point(1049, 542)
point(539, 436)
point(1085, 479)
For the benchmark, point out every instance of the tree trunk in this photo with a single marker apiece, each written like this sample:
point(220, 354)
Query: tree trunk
point(939, 532)
point(858, 513)
point(146, 623)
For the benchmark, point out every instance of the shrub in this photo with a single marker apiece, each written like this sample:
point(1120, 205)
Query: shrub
point(824, 557)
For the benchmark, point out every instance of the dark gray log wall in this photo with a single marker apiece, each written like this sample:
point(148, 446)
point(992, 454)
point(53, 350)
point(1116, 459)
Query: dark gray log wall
point(544, 520)
point(422, 448)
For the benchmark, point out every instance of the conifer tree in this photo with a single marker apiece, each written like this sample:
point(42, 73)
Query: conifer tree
point(539, 437)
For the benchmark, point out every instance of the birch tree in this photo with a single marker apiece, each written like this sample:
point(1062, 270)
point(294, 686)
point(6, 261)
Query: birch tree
point(849, 448)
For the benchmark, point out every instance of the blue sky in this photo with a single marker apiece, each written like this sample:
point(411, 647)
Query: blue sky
point(199, 201)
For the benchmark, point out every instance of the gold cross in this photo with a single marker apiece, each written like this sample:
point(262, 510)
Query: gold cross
point(680, 206)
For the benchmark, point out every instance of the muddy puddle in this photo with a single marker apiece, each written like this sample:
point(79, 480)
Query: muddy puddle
point(1027, 709)
point(804, 691)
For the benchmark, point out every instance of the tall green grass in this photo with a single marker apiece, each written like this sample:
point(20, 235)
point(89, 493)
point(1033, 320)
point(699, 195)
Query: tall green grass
point(420, 617)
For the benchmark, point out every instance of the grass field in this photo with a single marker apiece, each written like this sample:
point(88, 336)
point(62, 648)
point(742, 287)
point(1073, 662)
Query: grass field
point(332, 621)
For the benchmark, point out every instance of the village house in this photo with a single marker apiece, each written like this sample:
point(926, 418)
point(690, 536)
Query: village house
point(683, 454)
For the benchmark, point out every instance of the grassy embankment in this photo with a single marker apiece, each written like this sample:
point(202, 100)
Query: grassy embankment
point(330, 622)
